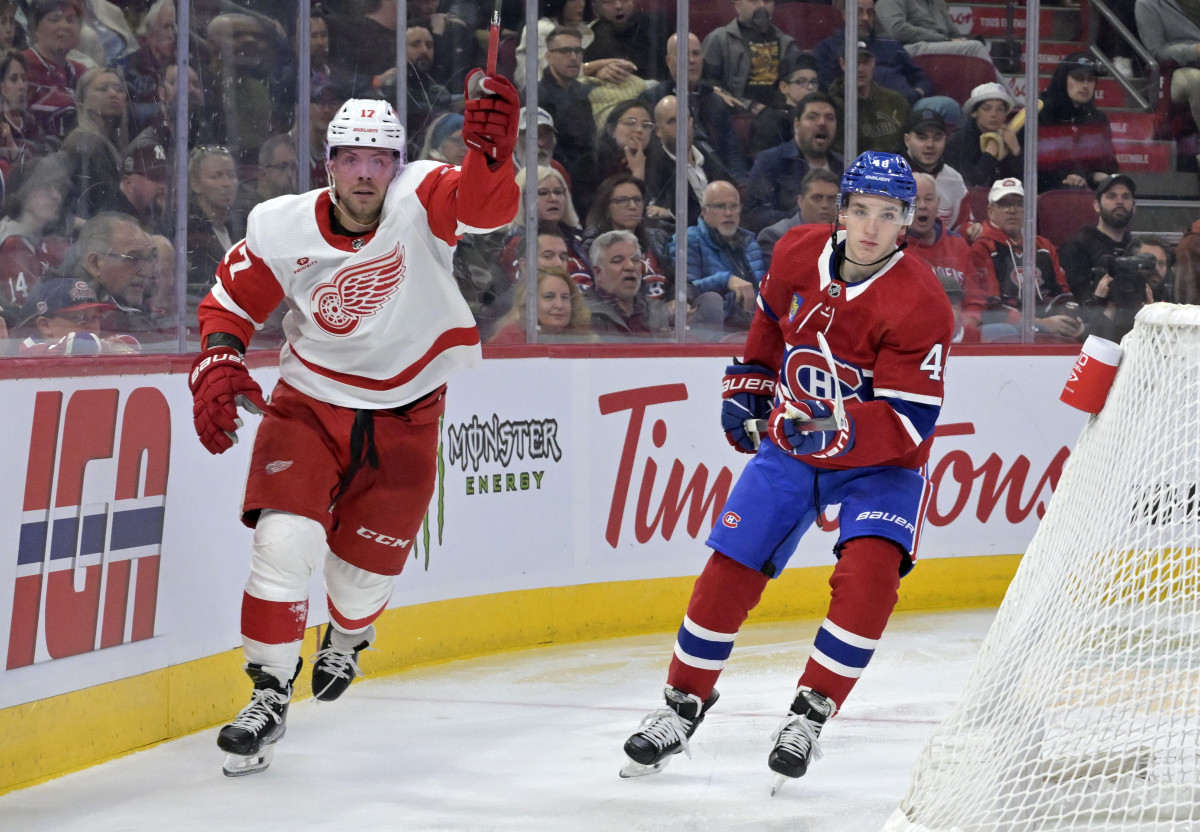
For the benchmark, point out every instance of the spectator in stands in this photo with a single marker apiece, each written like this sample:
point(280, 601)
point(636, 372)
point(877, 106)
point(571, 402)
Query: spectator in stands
point(363, 45)
point(142, 191)
point(926, 28)
point(1086, 250)
point(551, 15)
point(894, 67)
point(749, 55)
point(881, 112)
point(945, 251)
point(1170, 30)
point(620, 148)
point(1075, 146)
point(1162, 282)
point(773, 125)
point(547, 140)
point(774, 182)
point(992, 306)
point(562, 314)
point(323, 106)
point(276, 175)
point(96, 147)
point(160, 295)
point(817, 203)
point(20, 136)
point(712, 113)
point(118, 259)
point(617, 305)
point(427, 99)
point(1187, 266)
point(205, 125)
point(32, 231)
point(443, 140)
point(620, 204)
point(54, 26)
point(254, 70)
point(554, 206)
point(725, 258)
point(212, 226)
point(980, 160)
point(454, 42)
point(566, 99)
point(703, 163)
point(142, 69)
point(12, 35)
point(924, 150)
point(65, 318)
point(622, 30)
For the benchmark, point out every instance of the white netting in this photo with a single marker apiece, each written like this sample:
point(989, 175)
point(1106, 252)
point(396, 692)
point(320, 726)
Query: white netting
point(1083, 709)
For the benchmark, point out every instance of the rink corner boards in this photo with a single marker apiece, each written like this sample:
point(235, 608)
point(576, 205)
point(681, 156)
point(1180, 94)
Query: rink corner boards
point(51, 737)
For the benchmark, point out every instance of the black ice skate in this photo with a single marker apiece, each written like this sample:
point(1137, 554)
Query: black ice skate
point(665, 732)
point(796, 739)
point(336, 664)
point(249, 741)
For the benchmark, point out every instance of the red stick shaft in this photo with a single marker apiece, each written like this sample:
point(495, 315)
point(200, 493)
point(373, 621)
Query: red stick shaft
point(493, 41)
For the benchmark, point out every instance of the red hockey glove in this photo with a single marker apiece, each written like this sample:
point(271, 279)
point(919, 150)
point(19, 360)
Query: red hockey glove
point(491, 115)
point(746, 393)
point(219, 383)
point(820, 444)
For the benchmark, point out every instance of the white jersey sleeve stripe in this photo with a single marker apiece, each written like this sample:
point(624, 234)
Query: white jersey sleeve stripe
point(222, 297)
point(910, 428)
point(916, 398)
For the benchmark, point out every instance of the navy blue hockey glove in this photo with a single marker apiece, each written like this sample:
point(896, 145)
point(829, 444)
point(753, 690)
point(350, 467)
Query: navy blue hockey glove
point(747, 392)
point(820, 444)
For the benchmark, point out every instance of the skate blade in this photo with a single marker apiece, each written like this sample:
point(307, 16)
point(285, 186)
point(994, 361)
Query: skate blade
point(633, 769)
point(780, 780)
point(239, 765)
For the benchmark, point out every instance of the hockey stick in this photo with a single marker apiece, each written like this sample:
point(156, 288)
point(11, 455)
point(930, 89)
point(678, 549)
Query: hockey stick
point(493, 40)
point(835, 421)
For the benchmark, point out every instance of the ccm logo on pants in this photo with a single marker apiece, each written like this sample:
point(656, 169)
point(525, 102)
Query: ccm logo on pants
point(398, 542)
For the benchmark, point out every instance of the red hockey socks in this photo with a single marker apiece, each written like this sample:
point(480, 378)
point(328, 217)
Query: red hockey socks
point(723, 596)
point(866, 583)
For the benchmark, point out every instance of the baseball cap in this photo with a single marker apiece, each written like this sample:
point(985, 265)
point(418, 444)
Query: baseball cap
point(918, 120)
point(147, 158)
point(328, 92)
point(55, 295)
point(1081, 62)
point(1116, 179)
point(543, 118)
point(1005, 187)
point(864, 51)
point(987, 92)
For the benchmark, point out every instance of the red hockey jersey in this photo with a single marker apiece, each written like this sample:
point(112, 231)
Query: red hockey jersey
point(889, 335)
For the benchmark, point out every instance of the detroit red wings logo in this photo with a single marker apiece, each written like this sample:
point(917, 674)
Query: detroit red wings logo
point(357, 291)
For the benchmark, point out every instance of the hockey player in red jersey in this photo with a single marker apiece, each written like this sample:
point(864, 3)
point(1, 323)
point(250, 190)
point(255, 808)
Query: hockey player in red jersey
point(843, 372)
point(344, 460)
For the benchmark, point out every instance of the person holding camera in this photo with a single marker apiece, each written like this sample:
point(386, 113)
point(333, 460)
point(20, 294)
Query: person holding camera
point(1115, 204)
point(992, 303)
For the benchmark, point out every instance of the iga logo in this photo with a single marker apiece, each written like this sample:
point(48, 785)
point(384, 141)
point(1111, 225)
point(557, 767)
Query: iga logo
point(95, 564)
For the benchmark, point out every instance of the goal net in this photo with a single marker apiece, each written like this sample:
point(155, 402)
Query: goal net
point(1083, 708)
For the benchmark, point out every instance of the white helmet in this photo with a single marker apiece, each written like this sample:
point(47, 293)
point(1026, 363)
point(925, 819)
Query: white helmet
point(365, 122)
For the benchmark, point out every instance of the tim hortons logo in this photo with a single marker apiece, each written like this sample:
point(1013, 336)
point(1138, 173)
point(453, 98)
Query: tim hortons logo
point(357, 292)
point(963, 484)
point(87, 569)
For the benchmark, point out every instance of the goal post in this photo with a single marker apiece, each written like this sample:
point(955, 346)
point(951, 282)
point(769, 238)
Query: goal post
point(1083, 709)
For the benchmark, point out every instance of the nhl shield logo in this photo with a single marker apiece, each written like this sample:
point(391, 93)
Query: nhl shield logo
point(835, 290)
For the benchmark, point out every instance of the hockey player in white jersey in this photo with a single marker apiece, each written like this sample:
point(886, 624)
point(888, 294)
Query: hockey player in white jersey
point(344, 460)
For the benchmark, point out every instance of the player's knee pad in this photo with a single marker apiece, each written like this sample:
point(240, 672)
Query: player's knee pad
point(356, 596)
point(286, 551)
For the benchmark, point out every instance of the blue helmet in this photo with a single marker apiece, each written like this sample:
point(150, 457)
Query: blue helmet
point(880, 174)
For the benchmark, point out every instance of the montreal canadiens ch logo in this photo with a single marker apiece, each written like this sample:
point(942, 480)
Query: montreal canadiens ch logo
point(356, 292)
point(731, 519)
point(807, 375)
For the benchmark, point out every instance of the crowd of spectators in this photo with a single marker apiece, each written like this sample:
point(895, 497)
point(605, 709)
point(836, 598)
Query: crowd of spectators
point(88, 167)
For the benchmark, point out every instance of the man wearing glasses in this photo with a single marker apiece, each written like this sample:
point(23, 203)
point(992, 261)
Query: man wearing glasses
point(567, 99)
point(773, 125)
point(119, 260)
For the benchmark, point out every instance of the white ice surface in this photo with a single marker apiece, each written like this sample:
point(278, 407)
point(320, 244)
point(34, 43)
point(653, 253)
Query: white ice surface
point(531, 740)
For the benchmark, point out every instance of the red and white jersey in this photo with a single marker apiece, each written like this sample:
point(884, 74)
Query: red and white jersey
point(889, 334)
point(374, 321)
